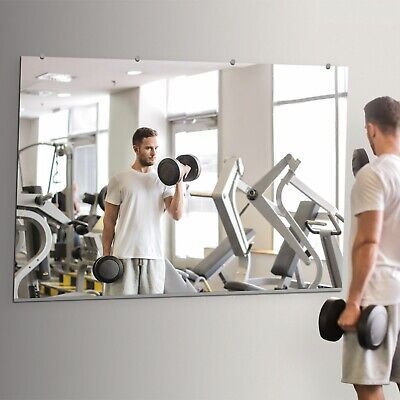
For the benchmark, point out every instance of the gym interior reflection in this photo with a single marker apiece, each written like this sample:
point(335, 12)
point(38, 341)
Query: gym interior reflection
point(266, 212)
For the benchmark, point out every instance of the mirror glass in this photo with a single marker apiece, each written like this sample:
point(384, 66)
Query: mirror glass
point(256, 207)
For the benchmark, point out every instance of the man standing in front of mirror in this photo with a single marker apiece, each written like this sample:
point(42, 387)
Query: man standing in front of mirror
point(135, 202)
point(375, 202)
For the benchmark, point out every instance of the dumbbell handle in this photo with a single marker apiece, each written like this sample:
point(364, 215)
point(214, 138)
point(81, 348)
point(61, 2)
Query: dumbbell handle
point(41, 199)
point(76, 222)
point(371, 327)
point(200, 194)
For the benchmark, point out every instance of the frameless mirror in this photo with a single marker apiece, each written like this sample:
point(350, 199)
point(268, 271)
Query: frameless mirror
point(264, 214)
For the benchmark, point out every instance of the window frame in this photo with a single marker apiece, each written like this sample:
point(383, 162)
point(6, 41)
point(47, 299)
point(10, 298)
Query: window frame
point(336, 96)
point(207, 120)
point(83, 138)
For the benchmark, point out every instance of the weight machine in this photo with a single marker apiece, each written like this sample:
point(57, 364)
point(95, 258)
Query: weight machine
point(296, 244)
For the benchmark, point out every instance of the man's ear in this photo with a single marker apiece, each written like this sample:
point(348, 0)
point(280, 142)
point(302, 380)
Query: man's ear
point(135, 148)
point(371, 129)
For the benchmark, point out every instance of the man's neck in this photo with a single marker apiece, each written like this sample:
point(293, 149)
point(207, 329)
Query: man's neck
point(137, 166)
point(390, 146)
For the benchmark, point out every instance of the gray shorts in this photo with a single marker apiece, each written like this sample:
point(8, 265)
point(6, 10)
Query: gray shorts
point(141, 276)
point(373, 367)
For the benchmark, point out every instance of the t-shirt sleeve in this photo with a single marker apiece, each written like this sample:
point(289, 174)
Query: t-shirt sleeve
point(113, 195)
point(168, 191)
point(368, 192)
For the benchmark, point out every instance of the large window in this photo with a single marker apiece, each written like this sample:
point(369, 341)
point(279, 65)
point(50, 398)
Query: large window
point(51, 128)
point(192, 113)
point(85, 129)
point(200, 222)
point(309, 121)
point(193, 94)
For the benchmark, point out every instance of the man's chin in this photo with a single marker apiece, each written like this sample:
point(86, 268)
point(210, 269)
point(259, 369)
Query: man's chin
point(147, 163)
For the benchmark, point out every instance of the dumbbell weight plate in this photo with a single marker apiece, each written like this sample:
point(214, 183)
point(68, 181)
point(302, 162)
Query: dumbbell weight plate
point(328, 317)
point(88, 198)
point(359, 159)
point(372, 326)
point(108, 269)
point(194, 164)
point(101, 198)
point(169, 172)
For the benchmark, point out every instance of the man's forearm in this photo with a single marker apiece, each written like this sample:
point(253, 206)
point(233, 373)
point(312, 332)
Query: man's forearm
point(363, 260)
point(177, 202)
point(107, 239)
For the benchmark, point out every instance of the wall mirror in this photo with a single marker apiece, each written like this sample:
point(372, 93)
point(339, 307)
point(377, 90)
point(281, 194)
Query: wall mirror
point(265, 213)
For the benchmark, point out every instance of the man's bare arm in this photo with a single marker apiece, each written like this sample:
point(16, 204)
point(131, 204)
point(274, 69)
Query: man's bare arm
point(175, 204)
point(364, 253)
point(109, 221)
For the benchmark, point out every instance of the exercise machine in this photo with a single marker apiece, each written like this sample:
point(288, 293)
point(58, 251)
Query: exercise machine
point(293, 229)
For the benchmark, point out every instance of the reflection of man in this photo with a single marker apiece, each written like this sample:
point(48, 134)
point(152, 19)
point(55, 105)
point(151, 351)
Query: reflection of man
point(375, 201)
point(60, 199)
point(136, 199)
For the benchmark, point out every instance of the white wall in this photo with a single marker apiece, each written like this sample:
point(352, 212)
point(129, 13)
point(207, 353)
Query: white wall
point(124, 119)
point(152, 113)
point(234, 347)
point(245, 127)
point(28, 134)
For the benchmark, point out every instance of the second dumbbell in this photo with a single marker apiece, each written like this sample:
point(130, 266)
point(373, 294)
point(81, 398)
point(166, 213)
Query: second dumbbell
point(108, 269)
point(170, 171)
point(371, 327)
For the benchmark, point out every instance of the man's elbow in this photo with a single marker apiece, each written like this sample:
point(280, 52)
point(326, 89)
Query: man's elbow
point(366, 243)
point(176, 215)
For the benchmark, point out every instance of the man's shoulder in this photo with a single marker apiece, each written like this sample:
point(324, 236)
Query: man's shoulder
point(366, 171)
point(121, 175)
point(368, 176)
point(385, 166)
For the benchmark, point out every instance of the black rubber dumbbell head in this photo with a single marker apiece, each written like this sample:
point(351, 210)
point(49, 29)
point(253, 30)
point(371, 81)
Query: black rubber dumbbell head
point(101, 198)
point(108, 269)
point(169, 172)
point(360, 158)
point(372, 326)
point(328, 317)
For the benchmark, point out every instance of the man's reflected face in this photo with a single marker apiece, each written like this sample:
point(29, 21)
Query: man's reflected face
point(146, 152)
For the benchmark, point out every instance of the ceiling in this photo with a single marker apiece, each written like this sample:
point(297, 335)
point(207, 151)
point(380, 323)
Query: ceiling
point(93, 78)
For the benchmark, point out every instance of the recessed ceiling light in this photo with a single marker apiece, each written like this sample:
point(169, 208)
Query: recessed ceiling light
point(44, 93)
point(134, 72)
point(64, 94)
point(52, 76)
point(41, 93)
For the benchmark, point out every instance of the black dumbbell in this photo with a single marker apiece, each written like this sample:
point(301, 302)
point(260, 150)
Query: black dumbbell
point(360, 158)
point(101, 198)
point(108, 269)
point(80, 226)
point(170, 171)
point(371, 327)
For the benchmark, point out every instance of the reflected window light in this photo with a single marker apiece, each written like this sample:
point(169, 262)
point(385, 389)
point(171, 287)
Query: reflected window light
point(193, 94)
point(310, 107)
point(201, 212)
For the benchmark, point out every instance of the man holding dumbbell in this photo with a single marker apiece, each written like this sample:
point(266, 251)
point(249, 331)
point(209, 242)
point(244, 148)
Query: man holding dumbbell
point(135, 202)
point(375, 201)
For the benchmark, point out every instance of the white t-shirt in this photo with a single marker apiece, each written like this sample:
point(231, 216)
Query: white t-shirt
point(141, 200)
point(377, 187)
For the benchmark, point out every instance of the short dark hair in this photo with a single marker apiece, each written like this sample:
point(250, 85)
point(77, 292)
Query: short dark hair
point(142, 133)
point(384, 112)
